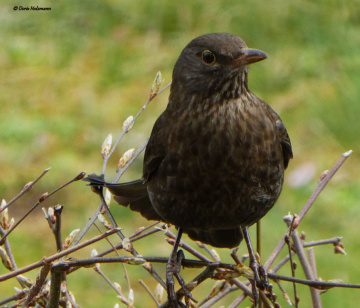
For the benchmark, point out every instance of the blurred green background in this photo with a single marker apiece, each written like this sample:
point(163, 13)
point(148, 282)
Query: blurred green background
point(71, 75)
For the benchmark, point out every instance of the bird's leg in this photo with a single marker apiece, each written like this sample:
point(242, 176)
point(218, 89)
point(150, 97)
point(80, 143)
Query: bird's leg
point(254, 265)
point(173, 269)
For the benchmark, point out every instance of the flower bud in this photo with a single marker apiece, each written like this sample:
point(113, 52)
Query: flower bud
point(70, 238)
point(125, 158)
point(106, 146)
point(158, 81)
point(128, 124)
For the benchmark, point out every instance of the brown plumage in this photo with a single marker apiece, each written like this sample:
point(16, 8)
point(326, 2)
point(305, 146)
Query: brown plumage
point(216, 156)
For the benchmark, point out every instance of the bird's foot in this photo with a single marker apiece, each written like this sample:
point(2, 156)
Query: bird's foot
point(260, 280)
point(260, 275)
point(173, 270)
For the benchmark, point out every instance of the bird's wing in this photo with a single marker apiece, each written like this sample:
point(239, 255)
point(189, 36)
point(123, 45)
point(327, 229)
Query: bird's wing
point(135, 193)
point(156, 148)
point(285, 142)
point(132, 193)
point(282, 135)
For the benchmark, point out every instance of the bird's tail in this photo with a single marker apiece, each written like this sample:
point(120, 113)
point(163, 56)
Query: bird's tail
point(132, 193)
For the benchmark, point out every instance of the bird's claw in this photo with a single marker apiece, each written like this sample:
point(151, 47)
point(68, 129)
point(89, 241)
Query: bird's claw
point(260, 280)
point(173, 270)
point(260, 275)
point(263, 282)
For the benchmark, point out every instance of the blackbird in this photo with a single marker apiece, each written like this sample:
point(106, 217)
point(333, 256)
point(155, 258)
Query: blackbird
point(215, 160)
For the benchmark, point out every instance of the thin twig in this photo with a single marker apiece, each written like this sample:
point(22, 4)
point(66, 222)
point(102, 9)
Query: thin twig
point(132, 159)
point(88, 225)
point(207, 273)
point(322, 184)
point(242, 286)
point(15, 297)
point(206, 248)
point(188, 248)
point(334, 241)
point(133, 239)
point(312, 261)
point(37, 286)
point(149, 292)
point(57, 228)
point(126, 129)
point(238, 301)
point(299, 248)
point(41, 199)
point(8, 249)
point(285, 295)
point(290, 258)
point(127, 277)
point(108, 240)
point(101, 273)
point(113, 221)
point(148, 267)
point(211, 301)
point(142, 230)
point(59, 255)
point(26, 188)
point(320, 285)
point(281, 263)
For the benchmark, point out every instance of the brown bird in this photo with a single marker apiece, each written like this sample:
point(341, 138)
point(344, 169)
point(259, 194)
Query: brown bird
point(216, 156)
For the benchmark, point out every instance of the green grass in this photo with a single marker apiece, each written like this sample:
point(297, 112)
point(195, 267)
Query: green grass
point(72, 75)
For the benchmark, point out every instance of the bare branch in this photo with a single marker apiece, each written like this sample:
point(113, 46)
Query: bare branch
point(36, 287)
point(320, 285)
point(321, 185)
point(26, 188)
point(41, 199)
point(56, 256)
point(125, 129)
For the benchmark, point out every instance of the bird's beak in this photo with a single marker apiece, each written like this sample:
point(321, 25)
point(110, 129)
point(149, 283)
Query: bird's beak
point(247, 56)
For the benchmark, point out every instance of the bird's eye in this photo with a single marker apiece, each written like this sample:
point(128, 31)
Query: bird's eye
point(208, 57)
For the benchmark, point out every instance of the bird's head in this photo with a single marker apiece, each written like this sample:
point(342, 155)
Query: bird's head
point(214, 63)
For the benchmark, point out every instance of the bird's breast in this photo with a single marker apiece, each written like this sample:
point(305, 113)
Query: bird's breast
point(234, 131)
point(219, 157)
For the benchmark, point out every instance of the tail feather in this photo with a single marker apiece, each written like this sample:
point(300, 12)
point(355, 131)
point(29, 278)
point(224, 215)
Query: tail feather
point(132, 193)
